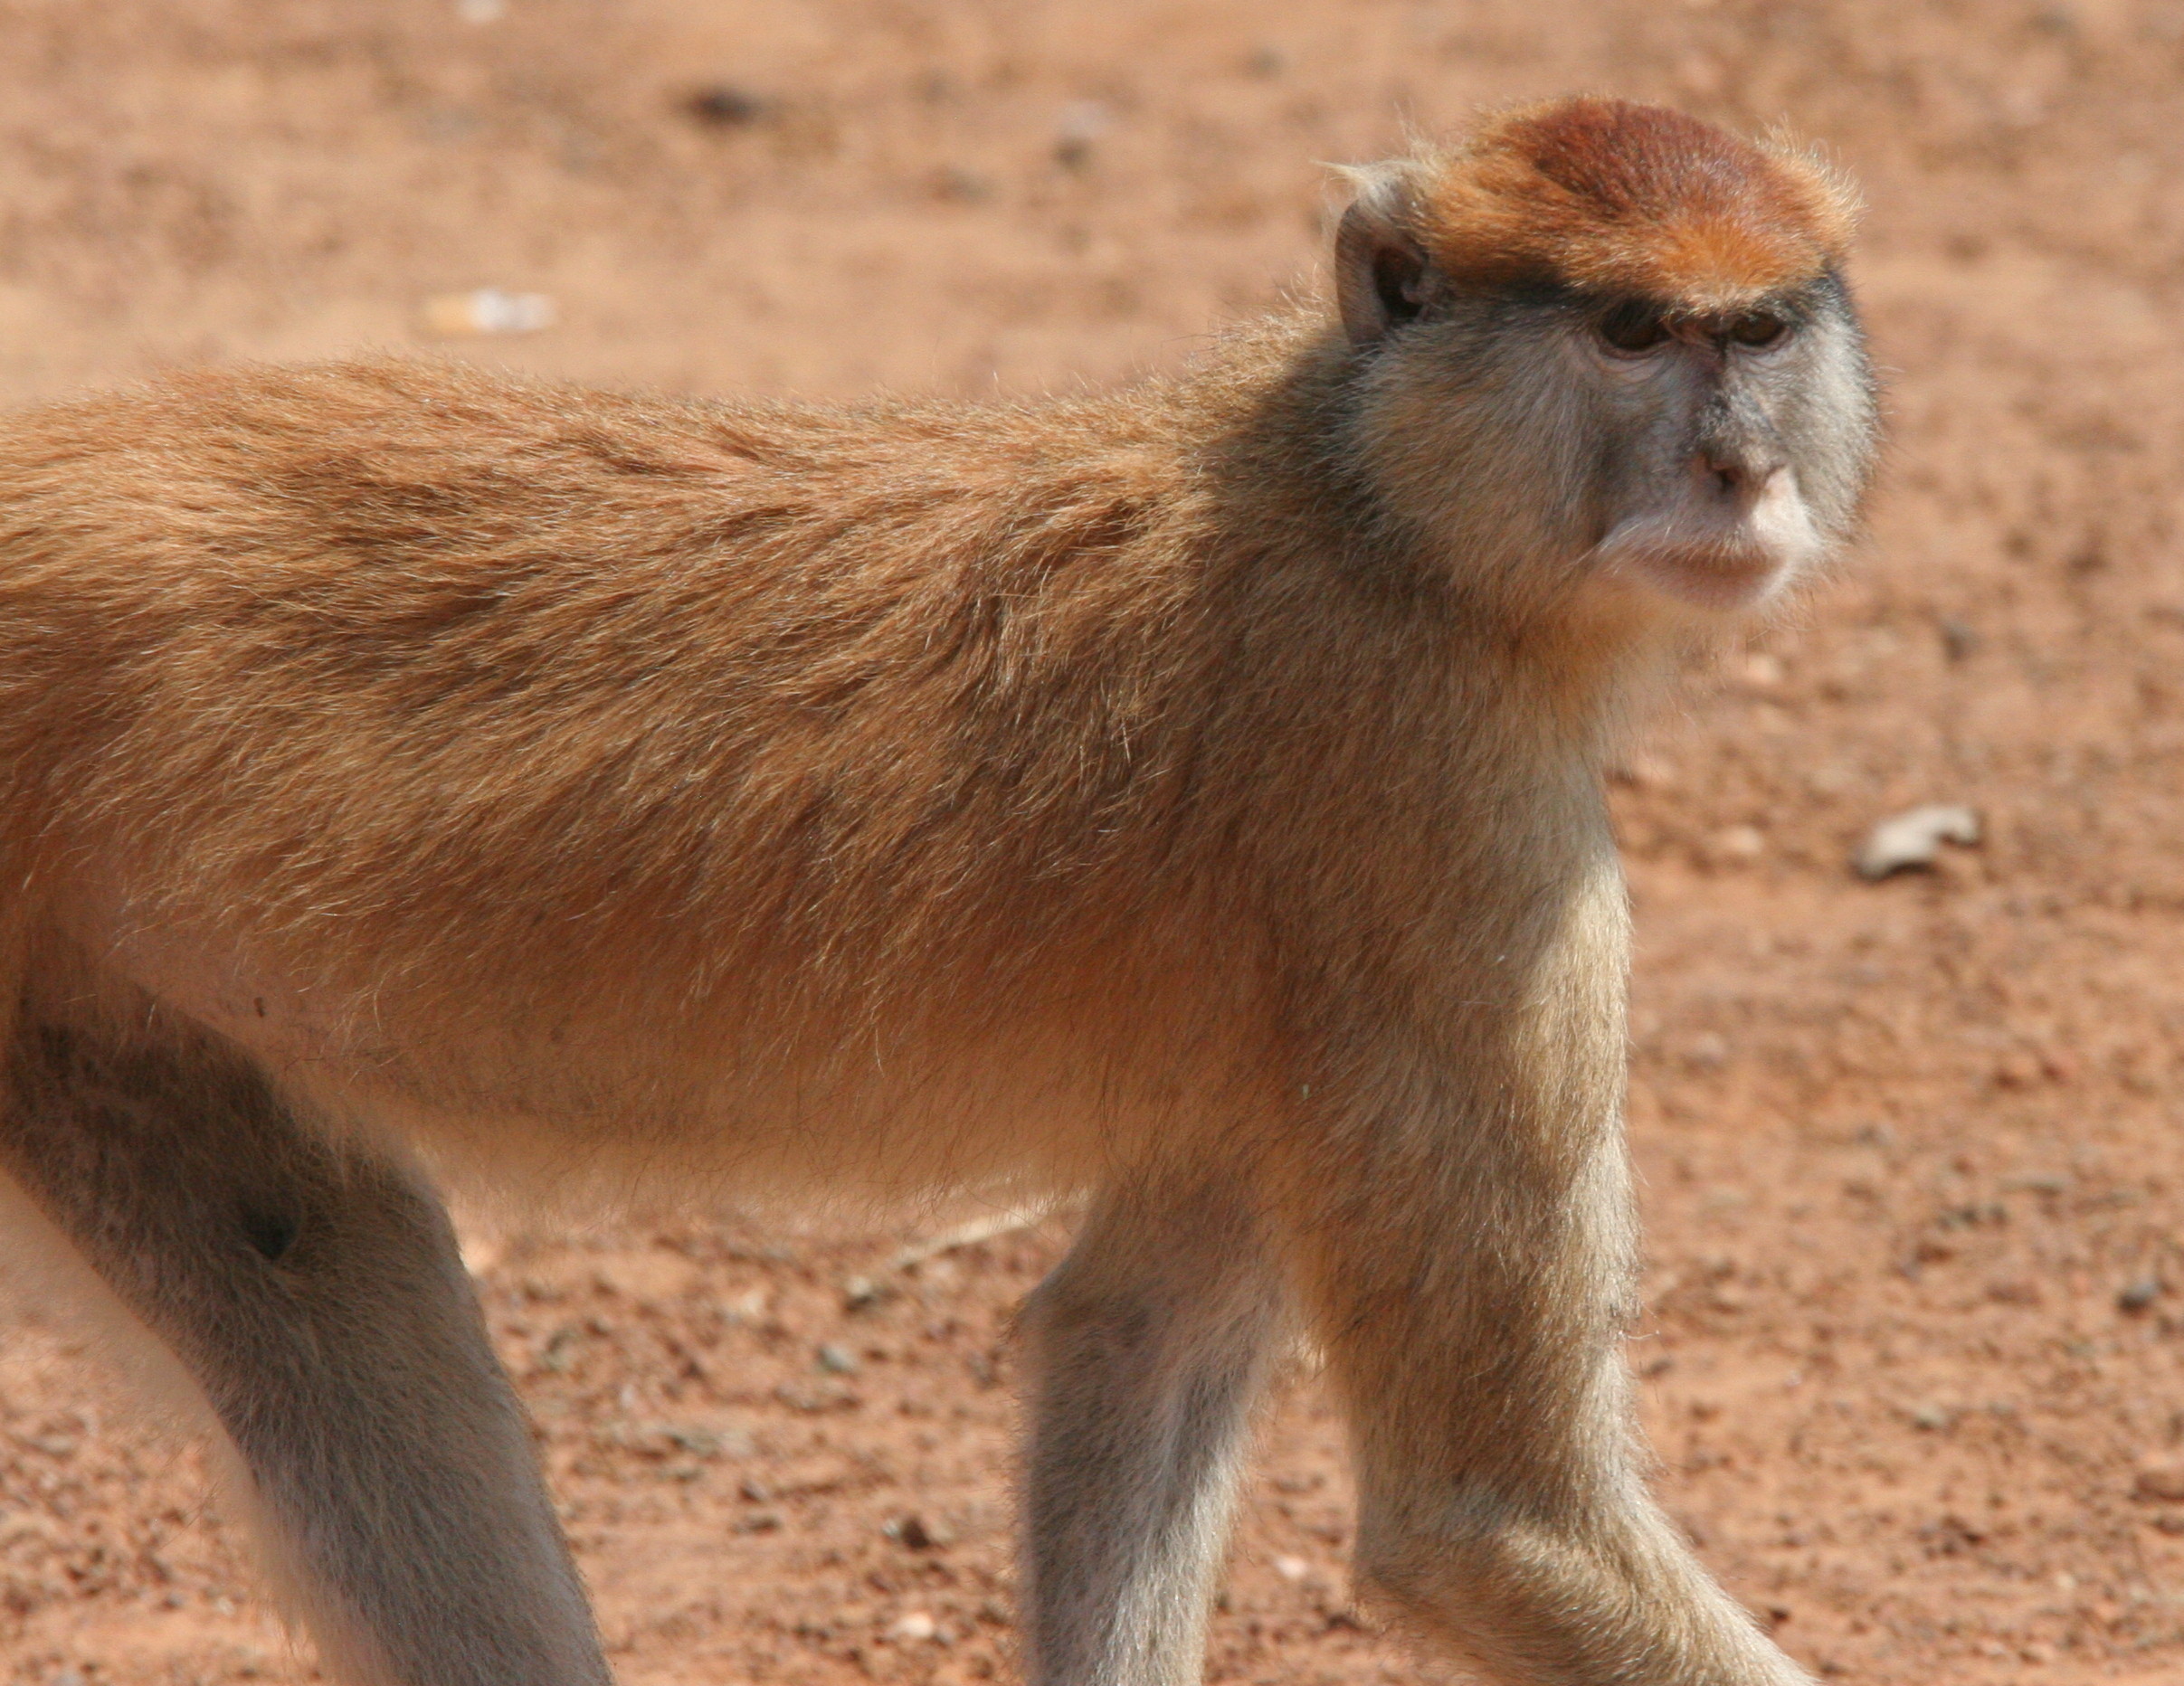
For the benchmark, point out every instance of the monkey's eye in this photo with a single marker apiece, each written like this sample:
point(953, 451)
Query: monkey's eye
point(1632, 326)
point(1758, 328)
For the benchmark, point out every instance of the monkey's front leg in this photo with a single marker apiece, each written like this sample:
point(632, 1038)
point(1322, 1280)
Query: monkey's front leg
point(1468, 1257)
point(314, 1292)
point(1150, 1344)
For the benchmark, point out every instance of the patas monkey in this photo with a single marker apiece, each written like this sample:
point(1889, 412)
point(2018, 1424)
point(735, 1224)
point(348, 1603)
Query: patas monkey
point(1191, 796)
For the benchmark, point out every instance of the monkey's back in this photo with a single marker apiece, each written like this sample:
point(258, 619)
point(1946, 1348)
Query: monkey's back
point(454, 693)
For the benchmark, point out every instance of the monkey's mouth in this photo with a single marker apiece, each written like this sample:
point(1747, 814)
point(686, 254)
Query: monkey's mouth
point(1716, 554)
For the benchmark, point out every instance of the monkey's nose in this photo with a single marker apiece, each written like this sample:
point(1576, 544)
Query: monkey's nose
point(1735, 475)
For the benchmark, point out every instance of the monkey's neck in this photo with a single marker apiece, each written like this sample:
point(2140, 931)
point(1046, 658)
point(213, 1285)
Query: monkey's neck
point(1321, 570)
point(1410, 764)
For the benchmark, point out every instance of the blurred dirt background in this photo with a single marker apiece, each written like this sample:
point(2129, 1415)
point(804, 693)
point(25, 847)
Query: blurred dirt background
point(1913, 1161)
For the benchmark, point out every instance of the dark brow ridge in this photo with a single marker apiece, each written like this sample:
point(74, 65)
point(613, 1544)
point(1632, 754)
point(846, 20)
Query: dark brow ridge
point(1797, 305)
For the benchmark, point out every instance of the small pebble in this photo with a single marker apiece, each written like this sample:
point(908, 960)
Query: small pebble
point(2160, 1479)
point(917, 1534)
point(485, 310)
point(1292, 1569)
point(1739, 843)
point(723, 105)
point(959, 186)
point(1082, 124)
point(2139, 1295)
point(914, 1624)
point(1915, 838)
point(1930, 1418)
point(1707, 1052)
point(860, 1294)
point(837, 1360)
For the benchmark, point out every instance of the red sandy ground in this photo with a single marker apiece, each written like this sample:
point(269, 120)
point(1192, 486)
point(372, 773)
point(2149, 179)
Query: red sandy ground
point(1903, 1145)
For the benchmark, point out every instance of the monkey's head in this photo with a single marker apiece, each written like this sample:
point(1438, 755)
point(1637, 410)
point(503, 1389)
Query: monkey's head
point(1607, 347)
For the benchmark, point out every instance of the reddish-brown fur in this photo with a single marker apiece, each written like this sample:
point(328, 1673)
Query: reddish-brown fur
point(722, 721)
point(1190, 797)
point(1615, 197)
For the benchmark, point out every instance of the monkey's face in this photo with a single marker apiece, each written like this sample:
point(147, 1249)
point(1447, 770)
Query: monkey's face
point(1734, 444)
point(1567, 444)
point(1601, 351)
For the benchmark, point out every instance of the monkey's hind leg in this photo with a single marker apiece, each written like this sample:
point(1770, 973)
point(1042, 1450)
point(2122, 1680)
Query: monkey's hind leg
point(314, 1294)
point(1150, 1344)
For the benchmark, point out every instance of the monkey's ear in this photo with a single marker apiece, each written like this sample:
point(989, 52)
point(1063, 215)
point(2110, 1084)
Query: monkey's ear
point(1379, 266)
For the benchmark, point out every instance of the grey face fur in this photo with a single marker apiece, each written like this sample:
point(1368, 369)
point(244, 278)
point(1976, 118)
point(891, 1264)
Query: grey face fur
point(1735, 442)
point(1558, 442)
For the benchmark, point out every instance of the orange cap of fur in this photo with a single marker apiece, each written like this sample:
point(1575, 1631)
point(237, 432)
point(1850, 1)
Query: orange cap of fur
point(1608, 195)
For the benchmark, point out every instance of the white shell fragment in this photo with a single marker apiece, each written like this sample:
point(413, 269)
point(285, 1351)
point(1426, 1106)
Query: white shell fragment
point(485, 310)
point(1915, 838)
